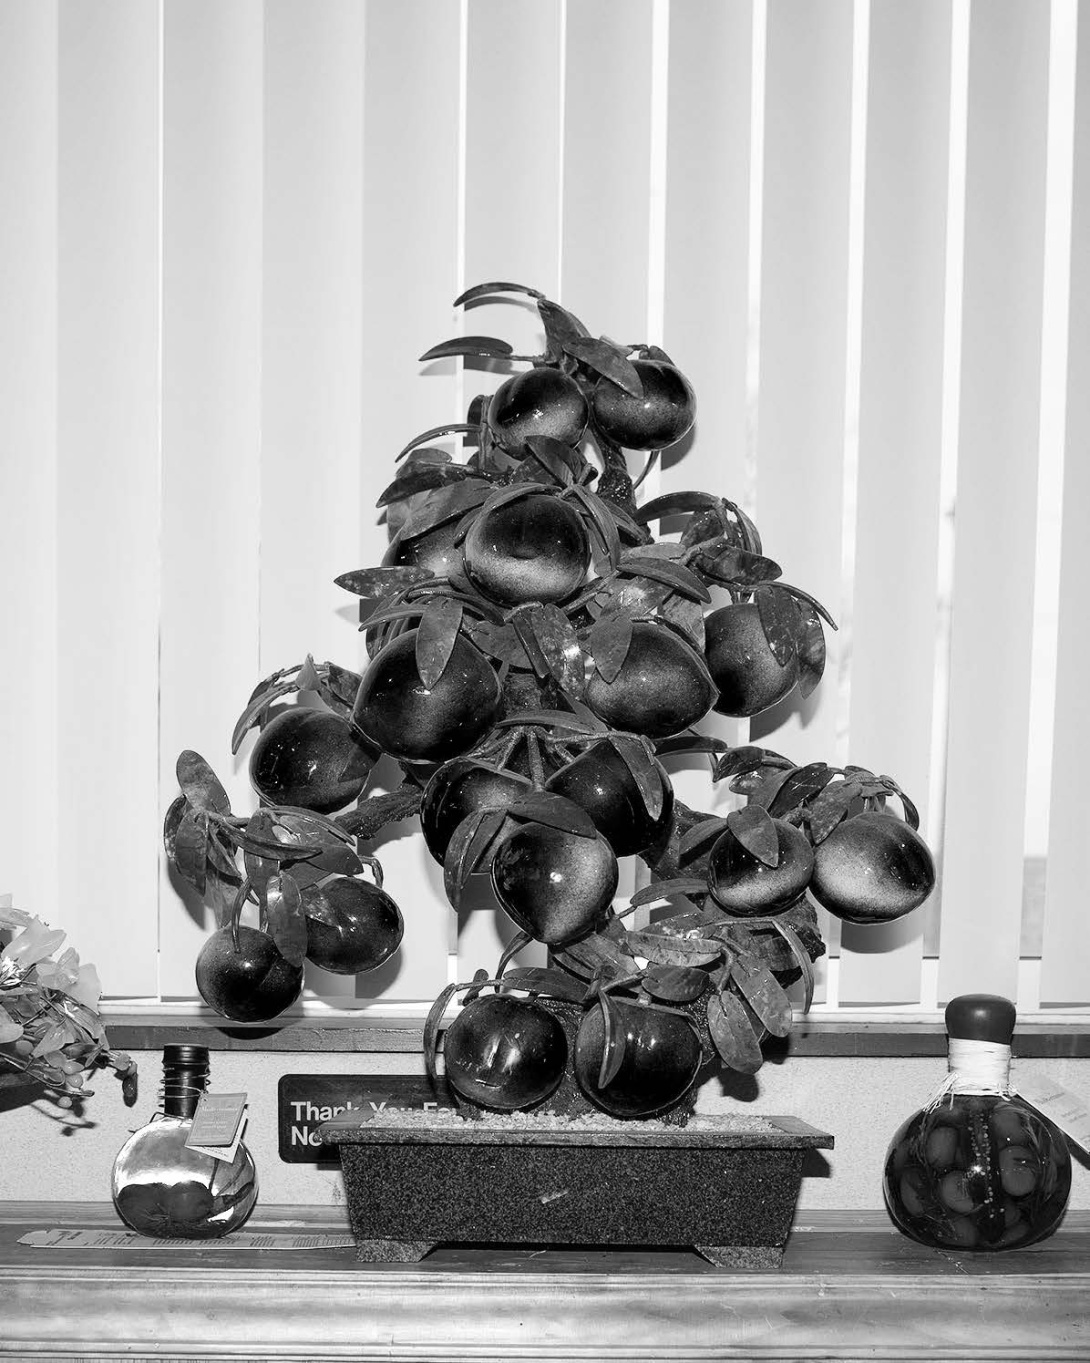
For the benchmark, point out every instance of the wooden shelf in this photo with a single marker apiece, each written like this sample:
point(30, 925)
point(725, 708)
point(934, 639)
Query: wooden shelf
point(850, 1287)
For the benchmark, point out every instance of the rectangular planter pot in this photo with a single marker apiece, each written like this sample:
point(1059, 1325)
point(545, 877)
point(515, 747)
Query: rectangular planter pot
point(729, 1193)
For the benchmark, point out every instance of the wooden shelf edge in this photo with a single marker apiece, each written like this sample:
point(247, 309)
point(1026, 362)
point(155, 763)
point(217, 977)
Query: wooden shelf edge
point(149, 1031)
point(321, 1218)
point(398, 1315)
point(68, 1304)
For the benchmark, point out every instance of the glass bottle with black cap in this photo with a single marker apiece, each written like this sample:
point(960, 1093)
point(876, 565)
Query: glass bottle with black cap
point(163, 1188)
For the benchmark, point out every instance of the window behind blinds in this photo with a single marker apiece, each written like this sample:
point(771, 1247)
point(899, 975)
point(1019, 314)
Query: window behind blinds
point(860, 226)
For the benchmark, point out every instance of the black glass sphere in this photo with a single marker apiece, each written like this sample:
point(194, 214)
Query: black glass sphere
point(662, 1058)
point(504, 1053)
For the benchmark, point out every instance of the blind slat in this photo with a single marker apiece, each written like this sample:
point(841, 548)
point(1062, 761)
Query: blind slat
point(512, 233)
point(311, 411)
point(996, 498)
point(708, 262)
point(512, 190)
point(803, 345)
point(607, 138)
point(108, 483)
point(894, 583)
point(312, 431)
point(28, 453)
point(212, 265)
point(708, 251)
point(803, 321)
point(607, 185)
point(1064, 977)
point(411, 83)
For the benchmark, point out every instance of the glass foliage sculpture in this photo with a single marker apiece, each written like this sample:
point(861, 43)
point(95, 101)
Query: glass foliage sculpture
point(538, 644)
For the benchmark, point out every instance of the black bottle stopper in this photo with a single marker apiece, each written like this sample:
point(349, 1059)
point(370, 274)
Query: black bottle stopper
point(185, 1075)
point(981, 1017)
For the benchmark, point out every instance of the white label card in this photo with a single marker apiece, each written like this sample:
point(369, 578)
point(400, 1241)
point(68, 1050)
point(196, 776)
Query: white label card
point(1058, 1104)
point(217, 1125)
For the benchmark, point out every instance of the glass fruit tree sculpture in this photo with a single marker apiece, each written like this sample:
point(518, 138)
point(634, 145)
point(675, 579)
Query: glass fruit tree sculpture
point(536, 649)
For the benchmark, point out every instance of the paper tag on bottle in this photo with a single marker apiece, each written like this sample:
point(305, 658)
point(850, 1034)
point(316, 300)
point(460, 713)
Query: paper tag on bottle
point(217, 1125)
point(1058, 1104)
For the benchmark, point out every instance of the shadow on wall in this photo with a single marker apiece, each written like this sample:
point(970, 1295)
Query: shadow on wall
point(766, 723)
point(16, 1092)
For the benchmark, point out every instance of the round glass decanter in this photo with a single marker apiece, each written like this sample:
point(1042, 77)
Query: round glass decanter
point(978, 1168)
point(163, 1189)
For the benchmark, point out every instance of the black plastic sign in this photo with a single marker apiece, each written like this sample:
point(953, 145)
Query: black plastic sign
point(305, 1101)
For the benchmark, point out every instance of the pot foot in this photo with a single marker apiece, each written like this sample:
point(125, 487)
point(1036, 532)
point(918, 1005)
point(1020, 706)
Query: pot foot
point(392, 1251)
point(742, 1256)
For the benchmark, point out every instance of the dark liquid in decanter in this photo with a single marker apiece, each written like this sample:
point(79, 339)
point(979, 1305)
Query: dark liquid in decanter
point(978, 1168)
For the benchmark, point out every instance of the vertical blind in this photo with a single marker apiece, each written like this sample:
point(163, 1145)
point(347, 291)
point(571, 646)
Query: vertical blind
point(859, 226)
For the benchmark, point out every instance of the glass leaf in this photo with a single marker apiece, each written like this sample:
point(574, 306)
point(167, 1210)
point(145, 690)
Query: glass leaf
point(287, 924)
point(754, 829)
point(436, 636)
point(556, 984)
point(780, 621)
point(606, 359)
point(444, 505)
point(555, 811)
point(200, 784)
point(609, 642)
point(489, 346)
point(673, 575)
point(801, 785)
point(613, 1042)
point(376, 583)
point(733, 1035)
point(661, 950)
point(675, 983)
point(561, 326)
point(486, 290)
point(764, 994)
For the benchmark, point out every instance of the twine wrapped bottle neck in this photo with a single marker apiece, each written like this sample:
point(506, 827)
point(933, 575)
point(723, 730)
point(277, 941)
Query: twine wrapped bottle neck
point(978, 1066)
point(975, 1067)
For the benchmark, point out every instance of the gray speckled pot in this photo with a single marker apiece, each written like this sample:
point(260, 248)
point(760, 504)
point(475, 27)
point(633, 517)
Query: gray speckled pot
point(728, 1193)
